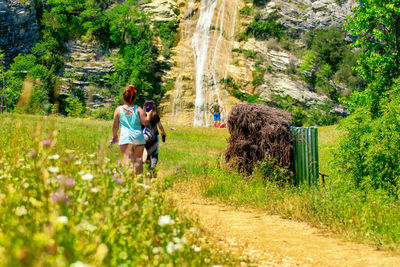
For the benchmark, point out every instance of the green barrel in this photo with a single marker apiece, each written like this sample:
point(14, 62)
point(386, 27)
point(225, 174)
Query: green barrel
point(305, 154)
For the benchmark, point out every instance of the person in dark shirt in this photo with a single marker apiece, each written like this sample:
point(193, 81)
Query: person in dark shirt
point(151, 135)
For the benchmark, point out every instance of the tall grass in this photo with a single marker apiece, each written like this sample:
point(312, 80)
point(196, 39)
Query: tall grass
point(370, 217)
point(65, 200)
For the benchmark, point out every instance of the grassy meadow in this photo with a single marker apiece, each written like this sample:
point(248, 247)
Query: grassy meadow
point(337, 206)
point(66, 200)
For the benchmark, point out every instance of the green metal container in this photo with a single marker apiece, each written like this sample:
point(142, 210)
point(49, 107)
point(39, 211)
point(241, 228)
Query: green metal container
point(305, 154)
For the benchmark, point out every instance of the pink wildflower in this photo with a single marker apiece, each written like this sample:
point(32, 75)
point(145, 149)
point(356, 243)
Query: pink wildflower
point(46, 142)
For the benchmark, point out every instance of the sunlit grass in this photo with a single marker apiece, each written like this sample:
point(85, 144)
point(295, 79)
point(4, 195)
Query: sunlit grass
point(65, 199)
point(370, 217)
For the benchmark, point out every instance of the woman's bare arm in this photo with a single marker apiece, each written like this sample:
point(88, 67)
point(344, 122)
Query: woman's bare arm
point(160, 126)
point(116, 124)
point(145, 117)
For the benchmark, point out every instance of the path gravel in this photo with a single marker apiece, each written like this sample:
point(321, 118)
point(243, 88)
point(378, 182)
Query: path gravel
point(272, 241)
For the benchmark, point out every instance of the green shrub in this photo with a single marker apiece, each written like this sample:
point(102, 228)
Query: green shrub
point(258, 76)
point(249, 53)
point(269, 171)
point(369, 153)
point(74, 107)
point(246, 11)
point(329, 45)
point(264, 29)
point(103, 113)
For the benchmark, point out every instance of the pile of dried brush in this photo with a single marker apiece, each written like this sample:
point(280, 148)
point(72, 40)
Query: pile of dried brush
point(258, 131)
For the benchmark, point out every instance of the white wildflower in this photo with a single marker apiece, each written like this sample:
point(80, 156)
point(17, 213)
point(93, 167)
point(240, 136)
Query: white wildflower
point(92, 155)
point(62, 219)
point(184, 240)
point(87, 177)
point(145, 186)
point(53, 157)
point(196, 248)
point(156, 250)
point(178, 247)
point(94, 190)
point(176, 240)
point(170, 247)
point(21, 211)
point(78, 162)
point(85, 225)
point(165, 220)
point(53, 169)
point(78, 264)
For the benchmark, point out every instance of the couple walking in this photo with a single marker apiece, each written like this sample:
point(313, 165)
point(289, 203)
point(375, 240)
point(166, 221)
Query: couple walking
point(132, 119)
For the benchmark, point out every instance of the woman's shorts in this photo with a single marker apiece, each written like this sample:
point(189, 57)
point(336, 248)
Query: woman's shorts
point(135, 137)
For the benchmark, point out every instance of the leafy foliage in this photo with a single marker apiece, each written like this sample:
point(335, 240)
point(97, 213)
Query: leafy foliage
point(368, 153)
point(269, 171)
point(302, 115)
point(123, 26)
point(266, 28)
point(328, 60)
point(376, 23)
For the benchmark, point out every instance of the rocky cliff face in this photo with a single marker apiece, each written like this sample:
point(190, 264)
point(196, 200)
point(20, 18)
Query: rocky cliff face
point(85, 69)
point(303, 15)
point(298, 16)
point(88, 64)
point(160, 10)
point(18, 27)
point(203, 77)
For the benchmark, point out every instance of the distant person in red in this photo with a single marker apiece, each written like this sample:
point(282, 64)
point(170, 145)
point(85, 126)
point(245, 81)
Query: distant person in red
point(216, 110)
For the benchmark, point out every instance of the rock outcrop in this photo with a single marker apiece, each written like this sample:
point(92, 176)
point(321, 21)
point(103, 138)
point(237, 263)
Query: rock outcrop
point(160, 10)
point(18, 28)
point(300, 16)
point(86, 69)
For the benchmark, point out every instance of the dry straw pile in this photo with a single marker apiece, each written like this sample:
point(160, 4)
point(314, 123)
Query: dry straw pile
point(258, 131)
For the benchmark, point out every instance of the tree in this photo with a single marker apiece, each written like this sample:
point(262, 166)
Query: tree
point(376, 23)
point(329, 46)
point(369, 150)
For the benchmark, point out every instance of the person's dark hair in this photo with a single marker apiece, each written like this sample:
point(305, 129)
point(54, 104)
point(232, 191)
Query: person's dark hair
point(129, 94)
point(150, 103)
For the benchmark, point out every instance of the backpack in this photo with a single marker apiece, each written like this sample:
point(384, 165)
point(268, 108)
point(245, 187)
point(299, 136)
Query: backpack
point(148, 133)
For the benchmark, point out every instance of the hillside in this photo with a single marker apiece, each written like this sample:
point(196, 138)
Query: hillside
point(196, 52)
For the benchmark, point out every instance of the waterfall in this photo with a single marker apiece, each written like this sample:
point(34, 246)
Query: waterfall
point(200, 49)
point(216, 92)
point(207, 31)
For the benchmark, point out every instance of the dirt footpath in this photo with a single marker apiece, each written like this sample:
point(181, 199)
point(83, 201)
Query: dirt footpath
point(271, 241)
